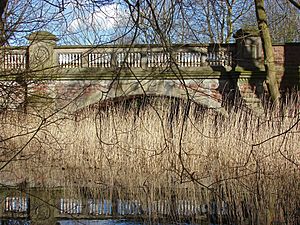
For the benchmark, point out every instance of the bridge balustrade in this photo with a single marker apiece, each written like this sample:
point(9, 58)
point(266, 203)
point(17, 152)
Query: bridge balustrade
point(13, 59)
point(108, 57)
point(98, 59)
point(70, 60)
point(152, 58)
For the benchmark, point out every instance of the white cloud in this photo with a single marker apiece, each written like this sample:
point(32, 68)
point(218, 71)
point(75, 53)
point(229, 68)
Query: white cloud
point(106, 18)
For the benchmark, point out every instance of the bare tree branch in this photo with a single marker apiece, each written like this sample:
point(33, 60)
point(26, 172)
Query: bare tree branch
point(296, 4)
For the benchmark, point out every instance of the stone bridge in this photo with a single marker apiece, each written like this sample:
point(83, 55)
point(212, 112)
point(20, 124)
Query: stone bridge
point(79, 76)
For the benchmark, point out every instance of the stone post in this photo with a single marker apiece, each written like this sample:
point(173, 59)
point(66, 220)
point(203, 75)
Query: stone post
point(41, 60)
point(144, 59)
point(249, 50)
point(41, 50)
point(250, 67)
point(43, 206)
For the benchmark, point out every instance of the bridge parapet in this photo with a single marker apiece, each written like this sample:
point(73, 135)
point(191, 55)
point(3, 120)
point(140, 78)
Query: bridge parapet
point(13, 59)
point(40, 56)
point(144, 56)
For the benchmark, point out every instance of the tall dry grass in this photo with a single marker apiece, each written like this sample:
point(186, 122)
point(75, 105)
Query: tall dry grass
point(162, 150)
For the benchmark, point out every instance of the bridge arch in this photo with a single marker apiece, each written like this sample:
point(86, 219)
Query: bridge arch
point(203, 92)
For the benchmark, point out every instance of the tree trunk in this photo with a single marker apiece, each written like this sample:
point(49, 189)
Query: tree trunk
point(268, 52)
point(3, 4)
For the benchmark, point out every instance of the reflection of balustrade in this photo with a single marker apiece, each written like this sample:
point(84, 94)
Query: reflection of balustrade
point(99, 207)
point(126, 207)
point(22, 205)
point(70, 206)
point(17, 204)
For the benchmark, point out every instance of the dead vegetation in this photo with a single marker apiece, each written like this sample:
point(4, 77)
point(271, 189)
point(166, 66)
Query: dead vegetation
point(161, 150)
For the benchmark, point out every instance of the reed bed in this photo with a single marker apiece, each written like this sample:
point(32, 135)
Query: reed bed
point(248, 166)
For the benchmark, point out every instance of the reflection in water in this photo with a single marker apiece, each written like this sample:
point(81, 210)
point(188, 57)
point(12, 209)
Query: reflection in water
point(110, 222)
point(99, 222)
point(79, 222)
point(87, 222)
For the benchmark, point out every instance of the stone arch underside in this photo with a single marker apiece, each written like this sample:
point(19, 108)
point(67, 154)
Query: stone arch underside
point(82, 94)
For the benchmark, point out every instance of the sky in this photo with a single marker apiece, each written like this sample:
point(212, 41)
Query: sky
point(96, 25)
point(75, 22)
point(94, 22)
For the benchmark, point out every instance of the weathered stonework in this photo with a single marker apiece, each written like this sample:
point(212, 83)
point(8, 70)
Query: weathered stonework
point(75, 77)
point(41, 50)
point(85, 93)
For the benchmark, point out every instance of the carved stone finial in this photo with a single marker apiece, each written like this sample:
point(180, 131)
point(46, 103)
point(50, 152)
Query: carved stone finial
point(42, 36)
point(242, 33)
point(249, 49)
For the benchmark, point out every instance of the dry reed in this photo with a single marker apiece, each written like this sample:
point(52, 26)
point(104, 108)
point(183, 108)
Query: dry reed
point(164, 150)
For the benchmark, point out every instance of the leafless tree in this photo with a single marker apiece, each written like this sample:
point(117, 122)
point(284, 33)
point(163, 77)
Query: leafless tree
point(152, 22)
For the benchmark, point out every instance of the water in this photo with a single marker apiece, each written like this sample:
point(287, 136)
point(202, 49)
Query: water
point(99, 222)
point(82, 222)
point(79, 222)
point(111, 222)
